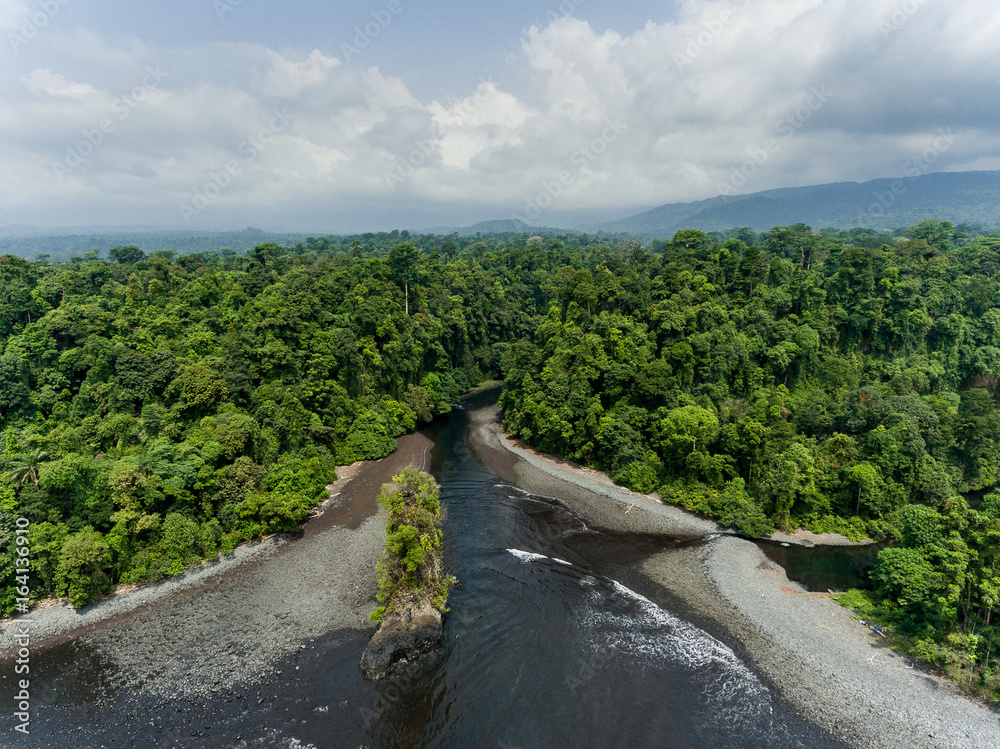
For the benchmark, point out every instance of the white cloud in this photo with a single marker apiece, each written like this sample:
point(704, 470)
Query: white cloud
point(583, 71)
point(44, 81)
point(687, 101)
point(469, 126)
point(287, 79)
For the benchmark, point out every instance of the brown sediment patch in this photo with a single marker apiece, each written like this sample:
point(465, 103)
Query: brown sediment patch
point(803, 537)
point(766, 567)
point(503, 463)
point(354, 499)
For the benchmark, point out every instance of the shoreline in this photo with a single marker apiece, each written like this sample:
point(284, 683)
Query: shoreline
point(602, 484)
point(128, 597)
point(808, 539)
point(233, 619)
point(833, 671)
point(603, 502)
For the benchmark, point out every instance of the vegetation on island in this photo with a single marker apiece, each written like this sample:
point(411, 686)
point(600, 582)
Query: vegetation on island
point(411, 571)
point(157, 409)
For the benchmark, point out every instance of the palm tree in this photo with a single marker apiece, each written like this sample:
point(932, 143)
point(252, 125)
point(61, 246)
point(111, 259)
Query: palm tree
point(27, 467)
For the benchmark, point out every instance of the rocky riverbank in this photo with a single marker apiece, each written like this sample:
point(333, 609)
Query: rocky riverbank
point(592, 493)
point(834, 671)
point(232, 620)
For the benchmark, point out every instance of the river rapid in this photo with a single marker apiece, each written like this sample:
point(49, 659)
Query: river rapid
point(553, 639)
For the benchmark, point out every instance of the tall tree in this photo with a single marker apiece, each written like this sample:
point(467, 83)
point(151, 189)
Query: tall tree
point(402, 260)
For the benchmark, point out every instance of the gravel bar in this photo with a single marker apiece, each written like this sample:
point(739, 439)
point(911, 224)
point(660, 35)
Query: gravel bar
point(832, 669)
point(234, 619)
point(604, 503)
point(841, 674)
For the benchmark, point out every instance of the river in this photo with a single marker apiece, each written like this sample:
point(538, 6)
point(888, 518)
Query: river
point(553, 640)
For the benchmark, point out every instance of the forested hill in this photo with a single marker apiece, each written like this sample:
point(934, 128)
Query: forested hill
point(962, 197)
point(158, 409)
point(506, 227)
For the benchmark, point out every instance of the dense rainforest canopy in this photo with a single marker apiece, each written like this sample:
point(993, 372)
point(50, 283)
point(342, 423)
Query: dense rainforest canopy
point(158, 409)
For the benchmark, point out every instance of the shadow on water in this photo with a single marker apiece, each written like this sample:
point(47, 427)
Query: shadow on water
point(822, 568)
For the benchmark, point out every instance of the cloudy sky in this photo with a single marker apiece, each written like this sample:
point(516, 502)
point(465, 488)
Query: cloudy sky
point(380, 114)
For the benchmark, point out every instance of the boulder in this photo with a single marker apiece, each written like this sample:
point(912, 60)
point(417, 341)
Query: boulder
point(403, 636)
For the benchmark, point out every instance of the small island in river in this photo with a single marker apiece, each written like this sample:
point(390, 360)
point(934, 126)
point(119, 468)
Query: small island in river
point(413, 588)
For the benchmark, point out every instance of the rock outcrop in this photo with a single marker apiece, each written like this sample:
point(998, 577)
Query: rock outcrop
point(402, 637)
point(413, 588)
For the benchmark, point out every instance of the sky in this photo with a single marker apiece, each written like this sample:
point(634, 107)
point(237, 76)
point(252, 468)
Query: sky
point(338, 117)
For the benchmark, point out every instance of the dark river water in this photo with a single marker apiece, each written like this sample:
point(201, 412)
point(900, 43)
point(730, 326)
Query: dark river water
point(823, 568)
point(551, 641)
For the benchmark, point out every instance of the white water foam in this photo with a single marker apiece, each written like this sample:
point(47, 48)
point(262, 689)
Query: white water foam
point(530, 556)
point(733, 696)
point(525, 493)
point(620, 620)
point(527, 556)
point(521, 492)
point(273, 738)
point(692, 646)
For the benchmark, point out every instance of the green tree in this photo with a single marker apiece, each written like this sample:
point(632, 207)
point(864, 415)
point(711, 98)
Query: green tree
point(402, 260)
point(83, 563)
point(369, 437)
point(411, 570)
point(795, 482)
point(870, 488)
point(126, 255)
point(198, 388)
point(903, 575)
point(179, 536)
point(26, 467)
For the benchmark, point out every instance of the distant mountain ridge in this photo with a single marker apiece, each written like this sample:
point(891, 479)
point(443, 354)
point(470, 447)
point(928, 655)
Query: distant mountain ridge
point(497, 226)
point(890, 203)
point(959, 197)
